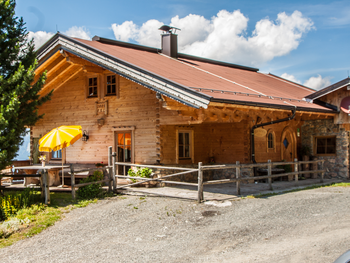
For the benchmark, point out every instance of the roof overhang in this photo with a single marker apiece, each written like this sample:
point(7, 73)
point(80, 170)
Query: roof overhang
point(320, 93)
point(141, 76)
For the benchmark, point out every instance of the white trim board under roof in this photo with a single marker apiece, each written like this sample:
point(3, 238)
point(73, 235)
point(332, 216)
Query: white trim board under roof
point(143, 77)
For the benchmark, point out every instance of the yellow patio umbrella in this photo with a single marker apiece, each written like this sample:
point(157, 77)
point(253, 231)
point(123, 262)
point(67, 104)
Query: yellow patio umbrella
point(59, 138)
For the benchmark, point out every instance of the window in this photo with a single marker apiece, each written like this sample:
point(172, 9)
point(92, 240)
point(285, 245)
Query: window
point(184, 145)
point(92, 87)
point(325, 145)
point(56, 154)
point(111, 82)
point(270, 141)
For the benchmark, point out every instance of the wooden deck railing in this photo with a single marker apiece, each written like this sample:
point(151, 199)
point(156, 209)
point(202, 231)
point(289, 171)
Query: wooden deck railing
point(200, 184)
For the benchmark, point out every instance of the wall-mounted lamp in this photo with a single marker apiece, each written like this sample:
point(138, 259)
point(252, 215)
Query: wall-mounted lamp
point(101, 121)
point(85, 136)
point(298, 132)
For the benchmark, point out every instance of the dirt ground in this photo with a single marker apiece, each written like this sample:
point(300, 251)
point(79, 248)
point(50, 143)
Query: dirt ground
point(305, 226)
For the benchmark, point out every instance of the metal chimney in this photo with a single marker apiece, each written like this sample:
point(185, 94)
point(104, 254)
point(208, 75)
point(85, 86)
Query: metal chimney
point(169, 41)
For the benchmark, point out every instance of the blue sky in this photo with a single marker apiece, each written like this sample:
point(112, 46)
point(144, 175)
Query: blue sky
point(305, 41)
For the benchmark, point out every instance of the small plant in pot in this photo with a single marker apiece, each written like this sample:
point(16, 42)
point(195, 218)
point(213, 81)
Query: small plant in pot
point(141, 172)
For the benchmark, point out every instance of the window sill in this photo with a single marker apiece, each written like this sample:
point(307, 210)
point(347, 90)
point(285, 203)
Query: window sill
point(91, 97)
point(109, 95)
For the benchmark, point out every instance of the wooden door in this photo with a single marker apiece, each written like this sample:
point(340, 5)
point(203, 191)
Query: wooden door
point(288, 145)
point(124, 150)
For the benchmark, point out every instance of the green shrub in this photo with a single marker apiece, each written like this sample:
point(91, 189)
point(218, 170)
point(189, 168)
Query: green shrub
point(93, 190)
point(140, 172)
point(10, 204)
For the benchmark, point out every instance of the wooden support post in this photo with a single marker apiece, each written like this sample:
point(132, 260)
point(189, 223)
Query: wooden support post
point(296, 170)
point(110, 156)
point(269, 173)
point(322, 174)
point(200, 183)
point(114, 157)
point(238, 176)
point(110, 174)
point(314, 168)
point(46, 186)
point(42, 185)
point(72, 179)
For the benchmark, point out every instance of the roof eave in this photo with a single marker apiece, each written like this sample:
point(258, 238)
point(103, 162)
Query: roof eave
point(139, 75)
point(273, 106)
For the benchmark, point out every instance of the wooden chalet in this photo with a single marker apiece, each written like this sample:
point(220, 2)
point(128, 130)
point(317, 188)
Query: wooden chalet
point(158, 106)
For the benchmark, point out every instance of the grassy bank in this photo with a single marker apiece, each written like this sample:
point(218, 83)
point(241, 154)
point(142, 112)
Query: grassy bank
point(32, 220)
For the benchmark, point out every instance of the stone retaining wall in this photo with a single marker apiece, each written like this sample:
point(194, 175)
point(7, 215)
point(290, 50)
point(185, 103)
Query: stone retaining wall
point(338, 165)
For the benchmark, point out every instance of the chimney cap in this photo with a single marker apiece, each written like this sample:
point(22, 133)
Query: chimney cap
point(168, 29)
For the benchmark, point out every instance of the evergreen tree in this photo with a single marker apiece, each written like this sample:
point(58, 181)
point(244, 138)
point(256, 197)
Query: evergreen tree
point(19, 99)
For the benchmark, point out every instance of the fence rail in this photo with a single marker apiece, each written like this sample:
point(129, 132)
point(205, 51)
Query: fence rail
point(200, 184)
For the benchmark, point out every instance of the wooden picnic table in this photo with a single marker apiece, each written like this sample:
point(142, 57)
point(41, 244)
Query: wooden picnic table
point(48, 177)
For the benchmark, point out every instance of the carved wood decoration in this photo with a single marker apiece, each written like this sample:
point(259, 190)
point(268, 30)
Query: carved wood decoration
point(101, 107)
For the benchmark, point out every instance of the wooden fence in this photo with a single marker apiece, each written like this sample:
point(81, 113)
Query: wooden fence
point(200, 184)
point(105, 170)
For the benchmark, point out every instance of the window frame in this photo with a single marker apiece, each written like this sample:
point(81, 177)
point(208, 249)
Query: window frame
point(88, 86)
point(316, 138)
point(116, 85)
point(191, 145)
point(273, 149)
point(116, 131)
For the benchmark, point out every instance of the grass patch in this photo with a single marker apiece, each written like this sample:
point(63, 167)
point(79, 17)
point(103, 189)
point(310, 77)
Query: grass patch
point(32, 220)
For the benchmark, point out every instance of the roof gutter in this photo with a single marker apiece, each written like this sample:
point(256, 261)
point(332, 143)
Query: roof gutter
point(269, 105)
point(265, 124)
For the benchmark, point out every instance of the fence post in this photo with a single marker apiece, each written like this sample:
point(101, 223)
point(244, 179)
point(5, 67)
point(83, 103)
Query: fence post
point(72, 180)
point(42, 185)
point(114, 157)
point(200, 183)
point(110, 156)
point(296, 170)
point(110, 174)
point(46, 186)
point(322, 173)
point(269, 173)
point(238, 177)
point(314, 168)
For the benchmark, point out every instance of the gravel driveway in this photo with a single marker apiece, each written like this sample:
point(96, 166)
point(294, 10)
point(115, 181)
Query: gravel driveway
point(305, 226)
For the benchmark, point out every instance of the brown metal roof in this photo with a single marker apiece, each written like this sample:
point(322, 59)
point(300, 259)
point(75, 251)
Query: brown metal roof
point(220, 82)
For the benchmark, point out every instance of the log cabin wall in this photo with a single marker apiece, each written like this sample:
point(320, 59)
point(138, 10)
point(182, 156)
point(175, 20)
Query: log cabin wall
point(221, 142)
point(335, 99)
point(274, 152)
point(136, 107)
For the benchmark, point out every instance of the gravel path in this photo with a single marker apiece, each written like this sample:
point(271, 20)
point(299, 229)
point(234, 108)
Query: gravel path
point(305, 226)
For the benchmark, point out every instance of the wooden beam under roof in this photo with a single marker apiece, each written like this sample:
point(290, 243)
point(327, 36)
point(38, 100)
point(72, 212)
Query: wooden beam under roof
point(44, 65)
point(57, 82)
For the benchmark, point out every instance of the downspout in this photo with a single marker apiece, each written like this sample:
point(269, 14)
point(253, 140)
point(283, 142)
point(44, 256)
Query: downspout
point(265, 124)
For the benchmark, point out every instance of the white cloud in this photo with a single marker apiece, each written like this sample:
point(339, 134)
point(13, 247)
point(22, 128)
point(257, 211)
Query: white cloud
point(290, 77)
point(125, 31)
point(316, 83)
point(224, 36)
point(78, 32)
point(40, 37)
